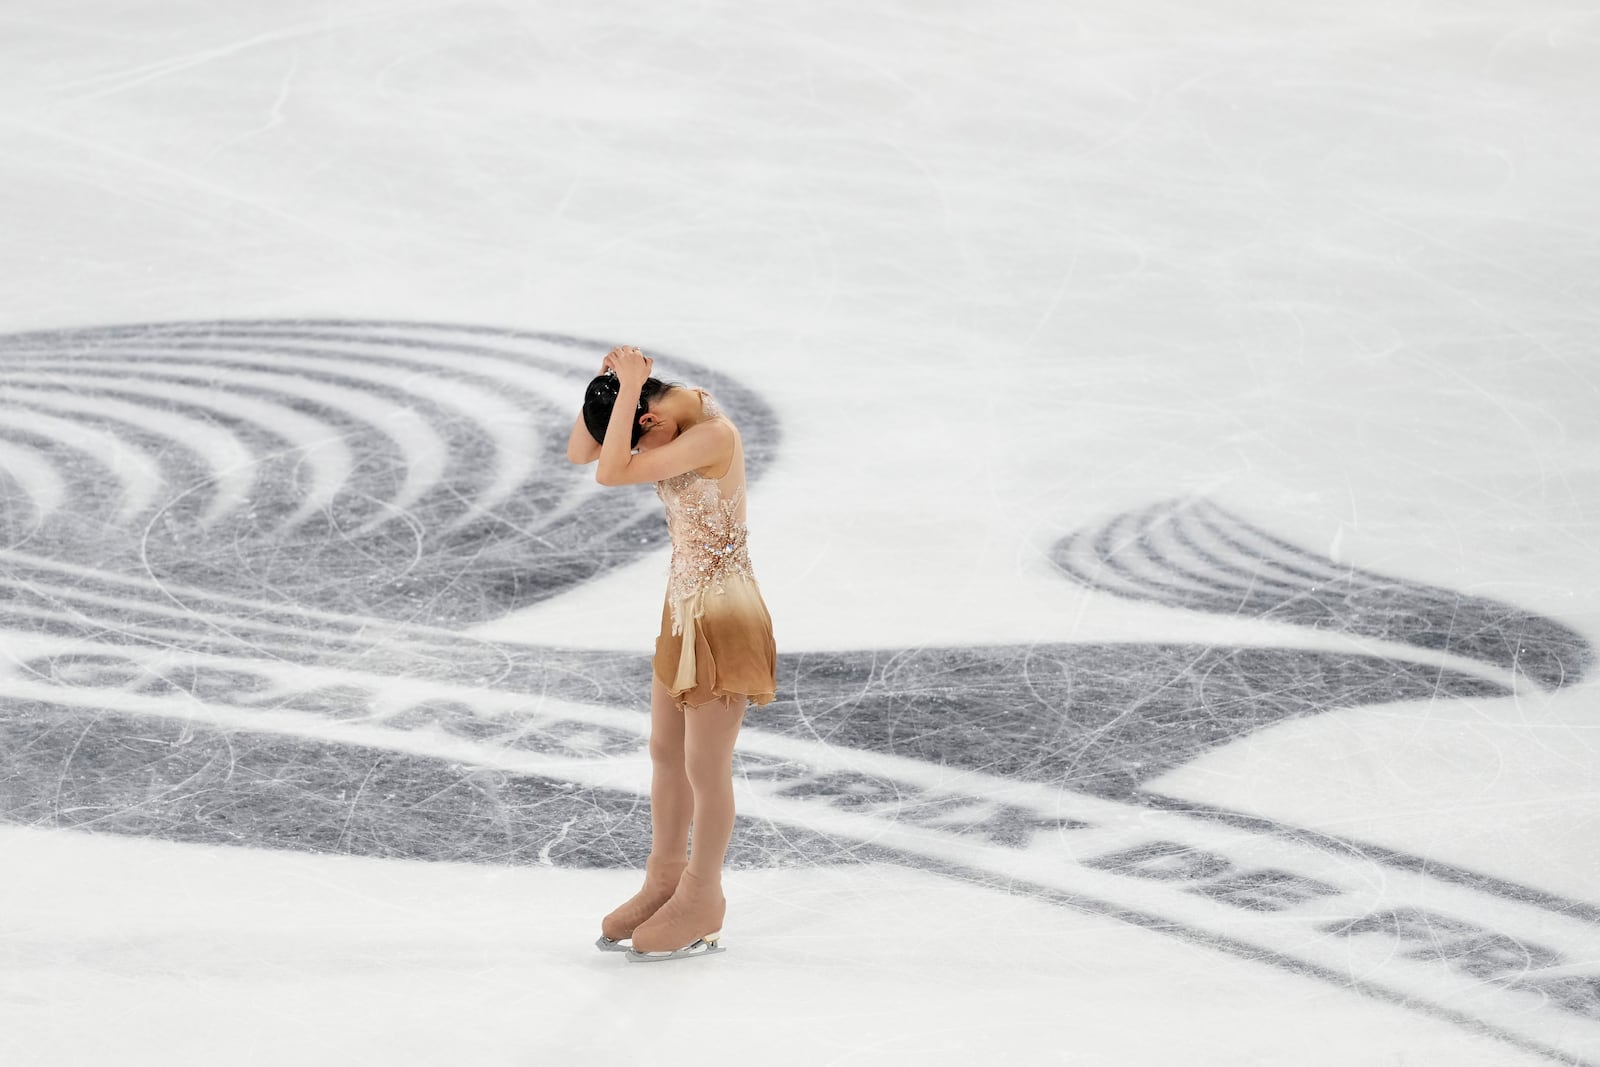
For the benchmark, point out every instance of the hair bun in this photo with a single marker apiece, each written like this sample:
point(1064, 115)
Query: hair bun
point(601, 396)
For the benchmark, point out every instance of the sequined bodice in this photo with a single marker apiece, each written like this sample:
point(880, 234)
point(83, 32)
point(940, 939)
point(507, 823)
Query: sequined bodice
point(708, 537)
point(708, 532)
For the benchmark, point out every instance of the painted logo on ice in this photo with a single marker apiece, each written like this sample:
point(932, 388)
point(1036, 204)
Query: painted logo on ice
point(240, 558)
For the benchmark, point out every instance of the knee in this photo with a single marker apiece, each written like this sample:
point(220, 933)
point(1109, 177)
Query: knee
point(709, 770)
point(666, 752)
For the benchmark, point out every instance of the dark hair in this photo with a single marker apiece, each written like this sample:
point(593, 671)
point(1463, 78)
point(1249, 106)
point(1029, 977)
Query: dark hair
point(601, 397)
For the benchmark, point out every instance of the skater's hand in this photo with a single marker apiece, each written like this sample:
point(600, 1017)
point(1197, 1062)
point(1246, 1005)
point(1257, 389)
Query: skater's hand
point(630, 365)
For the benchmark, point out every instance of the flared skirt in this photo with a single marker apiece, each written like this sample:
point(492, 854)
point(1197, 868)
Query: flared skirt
point(725, 647)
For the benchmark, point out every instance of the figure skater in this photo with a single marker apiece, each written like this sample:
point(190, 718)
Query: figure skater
point(715, 653)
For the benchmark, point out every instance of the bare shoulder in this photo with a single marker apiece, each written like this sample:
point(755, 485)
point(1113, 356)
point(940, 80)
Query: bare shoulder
point(718, 441)
point(716, 437)
point(720, 428)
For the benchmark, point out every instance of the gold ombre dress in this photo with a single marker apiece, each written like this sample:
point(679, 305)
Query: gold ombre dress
point(716, 635)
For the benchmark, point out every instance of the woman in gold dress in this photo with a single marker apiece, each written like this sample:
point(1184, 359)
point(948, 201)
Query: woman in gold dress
point(715, 654)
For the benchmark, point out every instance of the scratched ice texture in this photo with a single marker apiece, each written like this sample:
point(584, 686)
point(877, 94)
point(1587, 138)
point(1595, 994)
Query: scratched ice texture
point(1174, 474)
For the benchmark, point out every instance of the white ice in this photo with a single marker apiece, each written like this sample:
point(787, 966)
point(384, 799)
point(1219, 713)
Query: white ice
point(1003, 271)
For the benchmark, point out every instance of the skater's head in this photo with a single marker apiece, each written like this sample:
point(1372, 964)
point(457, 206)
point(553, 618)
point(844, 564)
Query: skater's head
point(601, 398)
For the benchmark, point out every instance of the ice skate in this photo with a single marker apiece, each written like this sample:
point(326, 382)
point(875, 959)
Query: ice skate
point(688, 925)
point(660, 882)
point(703, 946)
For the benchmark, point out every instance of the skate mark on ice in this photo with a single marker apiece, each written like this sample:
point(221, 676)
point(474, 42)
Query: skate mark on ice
point(250, 635)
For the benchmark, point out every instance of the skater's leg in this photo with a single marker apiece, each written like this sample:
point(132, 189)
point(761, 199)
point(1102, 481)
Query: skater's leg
point(671, 808)
point(697, 907)
point(710, 731)
point(671, 796)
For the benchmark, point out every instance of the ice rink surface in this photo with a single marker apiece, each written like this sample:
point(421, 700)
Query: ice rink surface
point(1175, 481)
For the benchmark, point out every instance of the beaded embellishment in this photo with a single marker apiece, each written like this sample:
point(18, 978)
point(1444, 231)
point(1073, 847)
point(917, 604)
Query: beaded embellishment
point(709, 541)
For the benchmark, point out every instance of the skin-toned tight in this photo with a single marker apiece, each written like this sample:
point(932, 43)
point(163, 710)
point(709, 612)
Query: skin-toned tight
point(691, 756)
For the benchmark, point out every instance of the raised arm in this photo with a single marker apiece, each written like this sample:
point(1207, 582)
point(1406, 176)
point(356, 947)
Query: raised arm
point(708, 443)
point(581, 445)
point(581, 448)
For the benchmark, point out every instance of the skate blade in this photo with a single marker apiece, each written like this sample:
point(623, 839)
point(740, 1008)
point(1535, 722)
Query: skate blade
point(705, 946)
point(605, 944)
